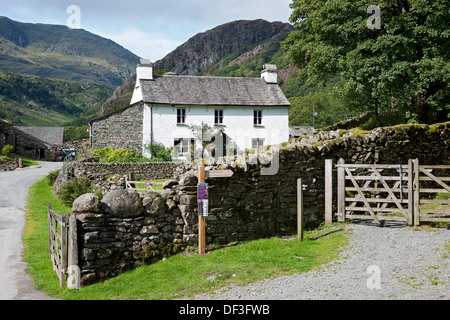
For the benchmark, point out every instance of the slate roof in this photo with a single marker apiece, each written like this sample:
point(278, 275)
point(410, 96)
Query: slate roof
point(51, 135)
point(211, 91)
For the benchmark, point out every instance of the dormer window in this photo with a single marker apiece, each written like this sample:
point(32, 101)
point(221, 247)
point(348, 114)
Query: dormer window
point(181, 116)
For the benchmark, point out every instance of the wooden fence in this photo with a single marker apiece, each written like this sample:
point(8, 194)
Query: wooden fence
point(131, 185)
point(63, 247)
point(388, 192)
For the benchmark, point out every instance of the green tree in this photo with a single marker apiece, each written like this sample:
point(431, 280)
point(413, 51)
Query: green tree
point(72, 133)
point(400, 70)
point(327, 107)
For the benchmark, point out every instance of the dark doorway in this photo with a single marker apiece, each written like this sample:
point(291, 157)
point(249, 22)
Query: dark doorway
point(40, 153)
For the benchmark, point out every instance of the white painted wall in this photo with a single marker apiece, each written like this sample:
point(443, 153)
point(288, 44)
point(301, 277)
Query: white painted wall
point(146, 130)
point(237, 124)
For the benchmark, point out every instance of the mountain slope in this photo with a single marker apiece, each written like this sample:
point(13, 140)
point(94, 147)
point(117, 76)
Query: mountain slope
point(201, 53)
point(56, 51)
point(36, 101)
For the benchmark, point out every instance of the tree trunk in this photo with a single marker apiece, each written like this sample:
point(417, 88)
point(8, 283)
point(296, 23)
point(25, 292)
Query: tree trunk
point(420, 107)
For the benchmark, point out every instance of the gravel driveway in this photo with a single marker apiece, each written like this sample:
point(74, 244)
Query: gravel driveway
point(390, 262)
point(15, 282)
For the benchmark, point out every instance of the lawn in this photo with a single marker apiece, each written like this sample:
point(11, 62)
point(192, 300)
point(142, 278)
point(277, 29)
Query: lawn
point(184, 274)
point(156, 185)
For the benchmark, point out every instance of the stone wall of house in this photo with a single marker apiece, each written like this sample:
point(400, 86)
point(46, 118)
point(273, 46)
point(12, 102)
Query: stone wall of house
point(126, 229)
point(122, 129)
point(24, 144)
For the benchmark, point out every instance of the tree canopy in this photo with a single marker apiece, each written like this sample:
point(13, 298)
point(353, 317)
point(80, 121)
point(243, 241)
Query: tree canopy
point(391, 58)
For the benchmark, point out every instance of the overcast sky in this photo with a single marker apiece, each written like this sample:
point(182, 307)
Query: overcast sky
point(150, 29)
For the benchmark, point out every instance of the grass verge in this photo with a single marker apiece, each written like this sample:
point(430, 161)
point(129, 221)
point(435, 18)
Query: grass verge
point(184, 274)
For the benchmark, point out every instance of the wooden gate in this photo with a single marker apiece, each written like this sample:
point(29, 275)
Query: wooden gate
point(145, 185)
point(375, 191)
point(432, 195)
point(57, 235)
point(63, 246)
point(401, 192)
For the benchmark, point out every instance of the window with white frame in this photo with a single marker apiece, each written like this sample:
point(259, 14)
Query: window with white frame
point(218, 116)
point(258, 142)
point(181, 116)
point(183, 145)
point(257, 117)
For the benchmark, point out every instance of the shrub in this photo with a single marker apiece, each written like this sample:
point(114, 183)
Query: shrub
point(159, 152)
point(73, 189)
point(7, 149)
point(108, 154)
point(52, 176)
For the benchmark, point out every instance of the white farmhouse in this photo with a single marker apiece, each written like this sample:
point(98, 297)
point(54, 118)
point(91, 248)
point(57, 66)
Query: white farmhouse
point(248, 112)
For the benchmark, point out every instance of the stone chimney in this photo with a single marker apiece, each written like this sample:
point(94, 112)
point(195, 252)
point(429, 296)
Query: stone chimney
point(269, 73)
point(144, 70)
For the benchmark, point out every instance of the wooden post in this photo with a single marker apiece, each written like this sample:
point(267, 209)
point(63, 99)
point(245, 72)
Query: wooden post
point(341, 191)
point(63, 268)
point(410, 192)
point(201, 219)
point(328, 192)
point(416, 192)
point(49, 207)
point(299, 210)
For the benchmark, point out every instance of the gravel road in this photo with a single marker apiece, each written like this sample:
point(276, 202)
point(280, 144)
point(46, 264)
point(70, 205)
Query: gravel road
point(381, 263)
point(15, 282)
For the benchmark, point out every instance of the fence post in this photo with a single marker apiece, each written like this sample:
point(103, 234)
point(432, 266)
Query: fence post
point(410, 192)
point(201, 219)
point(416, 192)
point(73, 279)
point(328, 192)
point(341, 191)
point(299, 210)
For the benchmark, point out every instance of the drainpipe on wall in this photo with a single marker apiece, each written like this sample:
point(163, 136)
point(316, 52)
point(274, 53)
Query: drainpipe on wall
point(151, 127)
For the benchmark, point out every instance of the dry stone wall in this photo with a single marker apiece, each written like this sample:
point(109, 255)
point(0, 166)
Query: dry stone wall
point(246, 206)
point(141, 170)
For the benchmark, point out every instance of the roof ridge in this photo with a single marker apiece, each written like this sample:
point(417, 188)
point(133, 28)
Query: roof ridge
point(193, 76)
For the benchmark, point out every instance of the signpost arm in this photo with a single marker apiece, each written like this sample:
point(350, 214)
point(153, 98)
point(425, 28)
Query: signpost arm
point(201, 219)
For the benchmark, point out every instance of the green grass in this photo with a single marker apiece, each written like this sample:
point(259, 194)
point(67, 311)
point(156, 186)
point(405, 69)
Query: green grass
point(156, 187)
point(184, 274)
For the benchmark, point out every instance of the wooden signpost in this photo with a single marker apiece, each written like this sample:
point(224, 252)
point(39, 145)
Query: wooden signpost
point(202, 200)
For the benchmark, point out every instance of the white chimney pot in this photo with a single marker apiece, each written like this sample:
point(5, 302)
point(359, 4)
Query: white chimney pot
point(144, 70)
point(270, 73)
